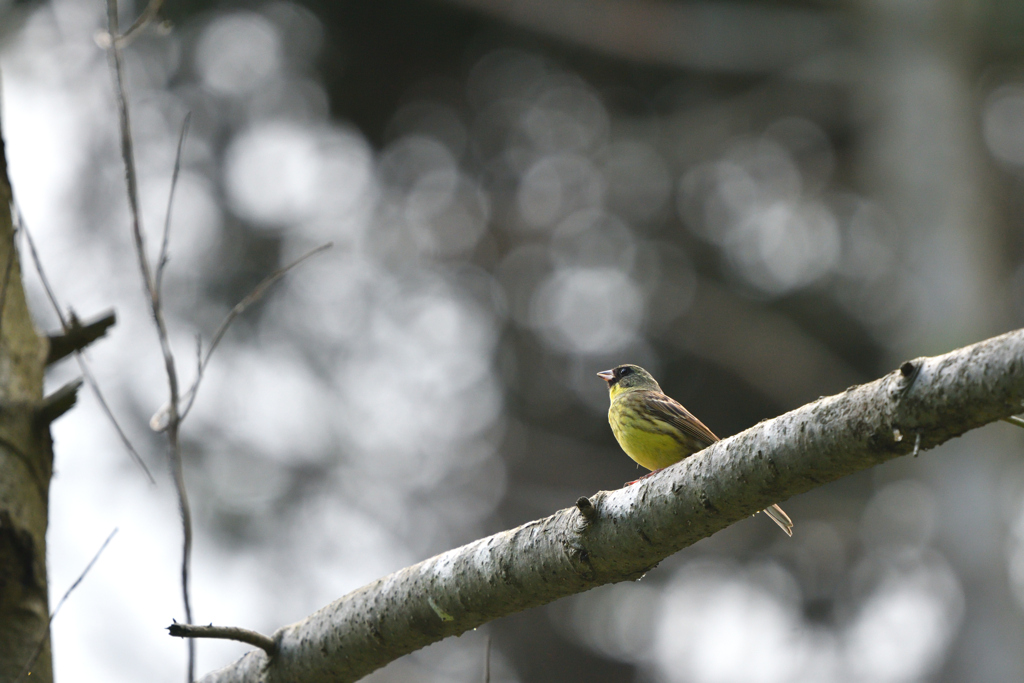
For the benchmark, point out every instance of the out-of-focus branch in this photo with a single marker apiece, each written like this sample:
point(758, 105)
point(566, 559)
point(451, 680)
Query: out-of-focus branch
point(148, 15)
point(107, 39)
point(619, 535)
point(164, 257)
point(81, 577)
point(170, 417)
point(161, 418)
point(719, 36)
point(54, 356)
point(77, 336)
point(150, 284)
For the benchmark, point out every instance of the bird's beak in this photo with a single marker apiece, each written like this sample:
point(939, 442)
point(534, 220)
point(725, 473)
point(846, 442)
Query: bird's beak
point(607, 375)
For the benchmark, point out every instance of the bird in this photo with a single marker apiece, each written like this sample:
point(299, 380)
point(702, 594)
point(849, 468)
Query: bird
point(655, 430)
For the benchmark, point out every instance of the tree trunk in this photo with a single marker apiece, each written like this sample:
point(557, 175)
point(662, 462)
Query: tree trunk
point(26, 463)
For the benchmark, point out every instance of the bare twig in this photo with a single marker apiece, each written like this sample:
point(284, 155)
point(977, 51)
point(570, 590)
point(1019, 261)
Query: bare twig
point(1014, 420)
point(147, 16)
point(86, 373)
point(42, 641)
point(23, 227)
point(161, 419)
point(58, 403)
point(128, 156)
point(255, 295)
point(152, 287)
point(77, 336)
point(110, 38)
point(487, 660)
point(243, 635)
point(161, 262)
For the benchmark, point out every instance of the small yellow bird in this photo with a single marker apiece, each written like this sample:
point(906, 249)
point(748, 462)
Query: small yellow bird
point(656, 430)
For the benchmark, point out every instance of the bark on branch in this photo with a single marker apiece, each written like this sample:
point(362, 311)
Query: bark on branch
point(622, 534)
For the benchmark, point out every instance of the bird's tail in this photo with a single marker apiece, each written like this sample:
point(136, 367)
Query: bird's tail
point(780, 518)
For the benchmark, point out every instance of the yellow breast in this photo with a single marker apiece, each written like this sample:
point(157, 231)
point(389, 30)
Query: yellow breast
point(644, 441)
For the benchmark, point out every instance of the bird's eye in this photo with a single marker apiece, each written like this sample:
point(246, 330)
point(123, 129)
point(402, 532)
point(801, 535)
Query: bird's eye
point(623, 372)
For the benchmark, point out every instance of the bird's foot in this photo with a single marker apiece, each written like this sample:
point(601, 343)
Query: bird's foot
point(649, 474)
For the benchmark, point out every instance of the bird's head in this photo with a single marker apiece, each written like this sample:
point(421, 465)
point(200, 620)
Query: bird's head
point(626, 378)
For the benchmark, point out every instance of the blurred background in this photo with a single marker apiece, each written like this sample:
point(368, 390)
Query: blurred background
point(762, 202)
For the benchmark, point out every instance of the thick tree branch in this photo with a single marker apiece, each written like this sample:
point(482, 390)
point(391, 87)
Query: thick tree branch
point(629, 531)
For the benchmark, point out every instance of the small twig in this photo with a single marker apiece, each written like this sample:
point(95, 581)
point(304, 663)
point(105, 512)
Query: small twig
point(108, 39)
point(161, 262)
point(257, 293)
point(199, 360)
point(487, 660)
point(161, 419)
point(131, 178)
point(128, 151)
point(42, 642)
point(1014, 420)
point(23, 227)
point(86, 373)
point(243, 635)
point(147, 16)
point(90, 379)
point(58, 403)
point(77, 336)
point(85, 571)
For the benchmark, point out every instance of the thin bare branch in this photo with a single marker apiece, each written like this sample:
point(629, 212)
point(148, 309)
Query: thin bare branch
point(128, 152)
point(242, 635)
point(152, 287)
point(487, 660)
point(90, 379)
point(83, 366)
point(146, 18)
point(107, 39)
point(161, 419)
point(255, 295)
point(161, 262)
point(42, 641)
point(23, 227)
point(131, 178)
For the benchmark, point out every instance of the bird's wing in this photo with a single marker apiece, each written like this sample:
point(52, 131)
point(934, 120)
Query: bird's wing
point(673, 412)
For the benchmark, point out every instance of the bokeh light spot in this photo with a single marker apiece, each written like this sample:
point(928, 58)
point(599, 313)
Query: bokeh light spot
point(238, 52)
point(588, 310)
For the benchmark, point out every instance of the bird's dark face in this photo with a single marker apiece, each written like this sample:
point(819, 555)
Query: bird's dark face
point(627, 377)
